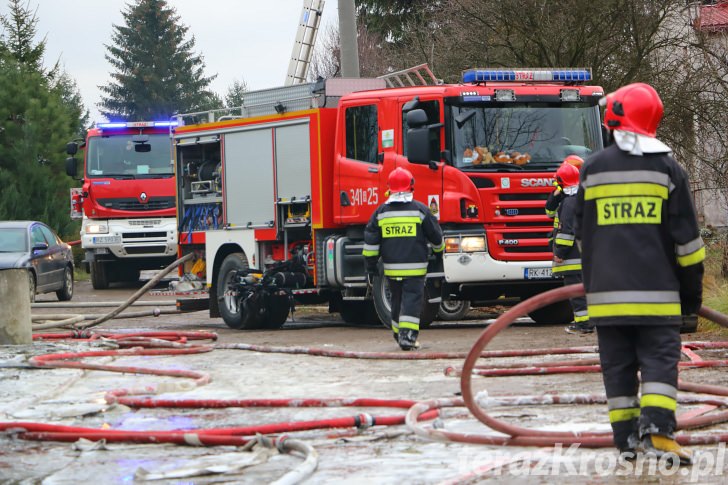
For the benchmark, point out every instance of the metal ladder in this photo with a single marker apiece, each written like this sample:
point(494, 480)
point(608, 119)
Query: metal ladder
point(305, 41)
point(420, 75)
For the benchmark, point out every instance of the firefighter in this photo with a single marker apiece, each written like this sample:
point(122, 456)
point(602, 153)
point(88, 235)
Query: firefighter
point(399, 231)
point(642, 265)
point(556, 196)
point(567, 259)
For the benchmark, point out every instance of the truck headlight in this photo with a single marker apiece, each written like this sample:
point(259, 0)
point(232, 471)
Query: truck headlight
point(468, 244)
point(472, 244)
point(97, 228)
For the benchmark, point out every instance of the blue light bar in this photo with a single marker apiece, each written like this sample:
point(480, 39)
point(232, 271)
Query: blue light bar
point(526, 75)
point(136, 124)
point(106, 126)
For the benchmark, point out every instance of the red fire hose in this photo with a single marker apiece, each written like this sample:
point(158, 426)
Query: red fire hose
point(521, 436)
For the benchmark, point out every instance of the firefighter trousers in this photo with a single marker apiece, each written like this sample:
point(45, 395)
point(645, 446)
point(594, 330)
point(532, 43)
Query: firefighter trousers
point(578, 304)
point(407, 297)
point(654, 352)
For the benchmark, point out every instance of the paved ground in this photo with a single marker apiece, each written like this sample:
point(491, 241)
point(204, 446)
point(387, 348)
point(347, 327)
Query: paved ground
point(376, 455)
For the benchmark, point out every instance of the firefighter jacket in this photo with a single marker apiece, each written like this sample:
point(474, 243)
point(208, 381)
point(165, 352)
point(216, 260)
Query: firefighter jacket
point(552, 204)
point(641, 249)
point(565, 247)
point(399, 232)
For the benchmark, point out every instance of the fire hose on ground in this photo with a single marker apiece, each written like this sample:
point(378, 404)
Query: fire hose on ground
point(176, 343)
point(74, 321)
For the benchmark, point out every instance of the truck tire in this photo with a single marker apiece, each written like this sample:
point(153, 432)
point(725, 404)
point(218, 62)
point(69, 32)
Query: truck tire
point(228, 305)
point(277, 310)
point(383, 305)
point(66, 292)
point(451, 310)
point(99, 275)
point(559, 312)
point(358, 312)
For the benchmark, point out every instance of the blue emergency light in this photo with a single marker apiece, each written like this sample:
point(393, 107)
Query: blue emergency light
point(529, 75)
point(135, 124)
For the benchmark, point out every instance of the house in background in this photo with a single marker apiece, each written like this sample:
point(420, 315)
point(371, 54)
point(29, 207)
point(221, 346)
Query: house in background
point(710, 18)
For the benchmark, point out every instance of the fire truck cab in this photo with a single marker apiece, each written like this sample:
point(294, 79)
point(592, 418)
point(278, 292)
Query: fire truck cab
point(274, 197)
point(126, 201)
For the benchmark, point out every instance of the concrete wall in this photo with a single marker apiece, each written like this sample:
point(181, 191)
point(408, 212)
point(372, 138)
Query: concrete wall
point(15, 323)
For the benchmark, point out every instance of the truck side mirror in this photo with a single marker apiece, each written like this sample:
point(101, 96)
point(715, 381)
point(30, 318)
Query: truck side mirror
point(72, 148)
point(418, 146)
point(418, 138)
point(71, 167)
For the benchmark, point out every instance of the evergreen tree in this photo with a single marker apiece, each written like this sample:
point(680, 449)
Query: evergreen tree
point(40, 111)
point(235, 93)
point(156, 73)
point(17, 41)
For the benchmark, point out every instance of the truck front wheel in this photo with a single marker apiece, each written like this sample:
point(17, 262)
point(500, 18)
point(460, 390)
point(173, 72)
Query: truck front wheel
point(383, 304)
point(99, 275)
point(229, 304)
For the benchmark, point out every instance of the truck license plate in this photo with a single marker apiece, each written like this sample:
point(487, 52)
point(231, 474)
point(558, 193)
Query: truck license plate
point(537, 273)
point(107, 239)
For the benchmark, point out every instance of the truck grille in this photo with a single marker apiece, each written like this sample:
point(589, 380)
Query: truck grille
point(143, 235)
point(131, 204)
point(145, 250)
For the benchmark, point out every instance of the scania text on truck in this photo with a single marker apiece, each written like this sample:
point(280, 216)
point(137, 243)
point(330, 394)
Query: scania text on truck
point(126, 201)
point(274, 196)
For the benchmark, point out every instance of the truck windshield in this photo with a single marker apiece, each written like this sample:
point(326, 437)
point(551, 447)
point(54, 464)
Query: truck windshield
point(522, 136)
point(120, 156)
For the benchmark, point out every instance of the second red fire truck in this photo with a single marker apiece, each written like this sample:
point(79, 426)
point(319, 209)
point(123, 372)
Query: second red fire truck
point(126, 200)
point(273, 197)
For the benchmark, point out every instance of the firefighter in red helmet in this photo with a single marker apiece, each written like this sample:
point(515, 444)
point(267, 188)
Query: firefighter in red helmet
point(557, 195)
point(399, 231)
point(567, 258)
point(642, 259)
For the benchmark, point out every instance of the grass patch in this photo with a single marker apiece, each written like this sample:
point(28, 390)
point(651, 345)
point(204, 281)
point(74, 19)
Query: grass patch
point(715, 286)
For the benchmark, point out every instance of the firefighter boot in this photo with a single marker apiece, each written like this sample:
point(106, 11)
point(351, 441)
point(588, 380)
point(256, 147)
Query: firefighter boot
point(408, 339)
point(658, 446)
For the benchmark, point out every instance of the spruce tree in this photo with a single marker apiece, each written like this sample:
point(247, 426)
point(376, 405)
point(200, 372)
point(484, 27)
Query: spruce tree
point(40, 111)
point(156, 73)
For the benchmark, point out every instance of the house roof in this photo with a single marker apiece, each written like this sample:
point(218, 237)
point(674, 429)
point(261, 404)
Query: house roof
point(713, 17)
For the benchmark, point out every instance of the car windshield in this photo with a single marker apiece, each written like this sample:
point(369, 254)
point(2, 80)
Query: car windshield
point(122, 156)
point(13, 240)
point(522, 136)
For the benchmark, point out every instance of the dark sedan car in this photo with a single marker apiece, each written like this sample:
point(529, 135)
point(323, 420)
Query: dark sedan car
point(34, 246)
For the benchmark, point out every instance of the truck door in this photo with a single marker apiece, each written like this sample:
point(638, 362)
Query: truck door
point(428, 182)
point(359, 170)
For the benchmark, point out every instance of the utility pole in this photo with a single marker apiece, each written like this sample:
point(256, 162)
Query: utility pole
point(347, 34)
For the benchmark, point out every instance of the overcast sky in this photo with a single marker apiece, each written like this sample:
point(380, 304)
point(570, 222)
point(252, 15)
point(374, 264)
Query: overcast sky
point(248, 40)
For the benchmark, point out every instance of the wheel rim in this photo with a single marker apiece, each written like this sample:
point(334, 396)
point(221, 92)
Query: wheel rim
point(69, 282)
point(231, 301)
point(452, 306)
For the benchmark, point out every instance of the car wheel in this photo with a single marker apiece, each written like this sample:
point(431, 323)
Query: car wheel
point(66, 293)
point(31, 285)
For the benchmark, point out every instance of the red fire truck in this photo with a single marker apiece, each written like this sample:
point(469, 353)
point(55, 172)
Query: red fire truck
point(126, 201)
point(273, 197)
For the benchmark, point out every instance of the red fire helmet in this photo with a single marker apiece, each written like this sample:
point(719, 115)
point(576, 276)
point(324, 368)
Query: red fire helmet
point(635, 107)
point(574, 160)
point(401, 180)
point(567, 175)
